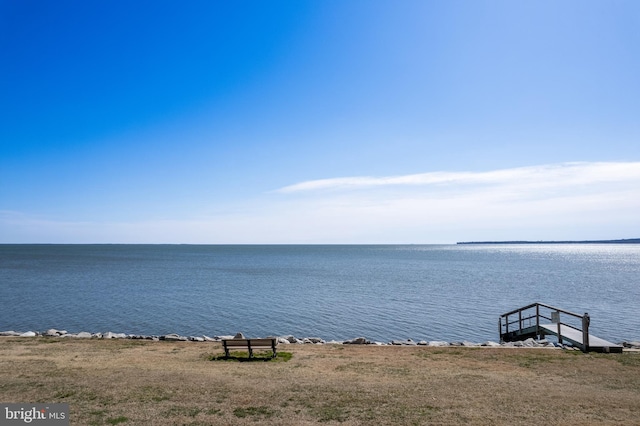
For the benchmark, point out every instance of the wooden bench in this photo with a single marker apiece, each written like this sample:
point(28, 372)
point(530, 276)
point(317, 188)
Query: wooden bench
point(250, 345)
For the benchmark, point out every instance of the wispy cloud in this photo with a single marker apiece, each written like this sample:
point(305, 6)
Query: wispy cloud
point(555, 175)
point(558, 201)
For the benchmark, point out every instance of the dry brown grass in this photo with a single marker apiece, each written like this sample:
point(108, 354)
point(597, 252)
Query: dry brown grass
point(133, 382)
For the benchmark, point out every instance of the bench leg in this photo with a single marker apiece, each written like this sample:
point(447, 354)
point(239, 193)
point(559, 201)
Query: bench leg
point(226, 349)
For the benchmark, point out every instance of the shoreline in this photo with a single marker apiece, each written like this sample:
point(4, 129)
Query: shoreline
point(292, 340)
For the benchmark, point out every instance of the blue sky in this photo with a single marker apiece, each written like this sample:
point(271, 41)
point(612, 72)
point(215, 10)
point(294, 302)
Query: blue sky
point(319, 121)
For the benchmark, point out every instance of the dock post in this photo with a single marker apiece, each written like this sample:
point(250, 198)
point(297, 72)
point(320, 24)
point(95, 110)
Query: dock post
point(506, 324)
point(555, 317)
point(585, 331)
point(519, 320)
point(538, 321)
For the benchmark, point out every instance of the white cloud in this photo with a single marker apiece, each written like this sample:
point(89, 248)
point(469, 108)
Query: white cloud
point(559, 201)
point(566, 174)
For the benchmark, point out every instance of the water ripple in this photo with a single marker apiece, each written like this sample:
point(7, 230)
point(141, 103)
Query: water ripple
point(332, 292)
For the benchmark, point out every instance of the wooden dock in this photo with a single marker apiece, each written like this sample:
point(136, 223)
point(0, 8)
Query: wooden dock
point(539, 320)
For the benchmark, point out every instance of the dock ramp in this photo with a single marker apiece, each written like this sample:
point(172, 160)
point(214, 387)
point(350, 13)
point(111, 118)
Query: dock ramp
point(539, 320)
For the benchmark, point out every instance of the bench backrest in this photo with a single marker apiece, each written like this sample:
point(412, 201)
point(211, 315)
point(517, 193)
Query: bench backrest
point(255, 343)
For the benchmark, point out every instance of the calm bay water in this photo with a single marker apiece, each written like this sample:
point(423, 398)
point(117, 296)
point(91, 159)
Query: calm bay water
point(423, 292)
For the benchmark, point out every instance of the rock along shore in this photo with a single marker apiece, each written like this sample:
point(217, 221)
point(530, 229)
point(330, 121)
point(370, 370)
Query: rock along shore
point(286, 340)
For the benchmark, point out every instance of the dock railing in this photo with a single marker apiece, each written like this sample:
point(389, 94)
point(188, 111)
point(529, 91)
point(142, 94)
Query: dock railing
point(525, 322)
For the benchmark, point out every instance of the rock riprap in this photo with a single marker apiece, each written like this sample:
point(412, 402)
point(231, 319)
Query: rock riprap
point(290, 339)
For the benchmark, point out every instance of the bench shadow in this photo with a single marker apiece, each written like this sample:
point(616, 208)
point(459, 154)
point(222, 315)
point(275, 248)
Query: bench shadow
point(257, 357)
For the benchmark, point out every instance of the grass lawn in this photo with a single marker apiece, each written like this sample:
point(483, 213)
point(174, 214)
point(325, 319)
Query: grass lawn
point(132, 382)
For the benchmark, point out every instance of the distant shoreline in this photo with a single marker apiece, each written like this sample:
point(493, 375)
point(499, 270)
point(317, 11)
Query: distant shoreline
point(625, 241)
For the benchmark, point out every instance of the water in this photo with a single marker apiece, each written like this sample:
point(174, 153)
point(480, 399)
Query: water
point(423, 292)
